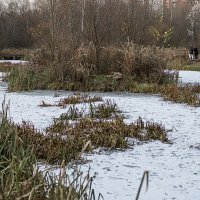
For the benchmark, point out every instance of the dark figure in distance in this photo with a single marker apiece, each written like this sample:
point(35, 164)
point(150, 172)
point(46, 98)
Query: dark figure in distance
point(196, 53)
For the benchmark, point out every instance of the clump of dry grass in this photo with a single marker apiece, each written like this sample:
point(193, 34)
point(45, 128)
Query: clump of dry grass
point(105, 110)
point(194, 88)
point(145, 88)
point(111, 134)
point(182, 94)
point(95, 127)
point(148, 130)
point(52, 148)
point(73, 114)
point(145, 63)
point(78, 99)
point(179, 93)
point(21, 78)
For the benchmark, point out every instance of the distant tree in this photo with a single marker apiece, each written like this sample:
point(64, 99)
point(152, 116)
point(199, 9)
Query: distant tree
point(60, 25)
point(15, 20)
point(194, 24)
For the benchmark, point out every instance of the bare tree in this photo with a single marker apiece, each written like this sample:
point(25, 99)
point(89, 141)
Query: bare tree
point(194, 24)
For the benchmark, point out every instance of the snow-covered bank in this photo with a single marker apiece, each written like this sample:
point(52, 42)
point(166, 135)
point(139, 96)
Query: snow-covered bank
point(174, 168)
point(14, 61)
point(189, 76)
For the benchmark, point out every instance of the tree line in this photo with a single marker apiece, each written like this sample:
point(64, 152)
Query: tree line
point(60, 24)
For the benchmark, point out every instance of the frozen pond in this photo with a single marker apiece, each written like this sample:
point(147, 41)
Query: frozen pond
point(174, 168)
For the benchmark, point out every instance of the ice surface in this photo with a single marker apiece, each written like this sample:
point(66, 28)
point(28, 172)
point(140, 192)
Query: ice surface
point(174, 168)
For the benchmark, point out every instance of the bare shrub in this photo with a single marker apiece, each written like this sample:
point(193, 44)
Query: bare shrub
point(144, 63)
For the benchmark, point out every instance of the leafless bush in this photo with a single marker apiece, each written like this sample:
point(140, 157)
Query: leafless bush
point(141, 62)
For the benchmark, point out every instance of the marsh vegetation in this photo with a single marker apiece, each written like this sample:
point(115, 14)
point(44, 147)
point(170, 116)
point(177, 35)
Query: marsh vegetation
point(23, 147)
point(86, 46)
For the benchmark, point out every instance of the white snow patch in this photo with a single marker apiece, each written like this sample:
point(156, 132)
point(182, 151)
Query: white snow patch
point(14, 61)
point(189, 76)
